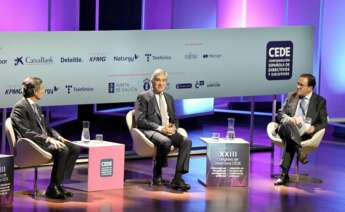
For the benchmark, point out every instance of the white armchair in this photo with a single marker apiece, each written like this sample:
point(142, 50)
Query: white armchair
point(307, 145)
point(27, 154)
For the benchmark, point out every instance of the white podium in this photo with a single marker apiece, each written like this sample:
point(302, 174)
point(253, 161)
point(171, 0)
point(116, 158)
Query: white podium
point(227, 162)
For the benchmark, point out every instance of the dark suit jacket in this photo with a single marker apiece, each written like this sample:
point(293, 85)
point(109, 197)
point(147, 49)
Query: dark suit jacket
point(147, 114)
point(26, 124)
point(316, 110)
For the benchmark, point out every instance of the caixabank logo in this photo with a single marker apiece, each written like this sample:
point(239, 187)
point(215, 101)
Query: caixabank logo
point(279, 59)
point(29, 60)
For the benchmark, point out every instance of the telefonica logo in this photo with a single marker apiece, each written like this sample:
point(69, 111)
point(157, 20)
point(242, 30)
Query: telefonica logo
point(128, 59)
point(150, 57)
point(3, 61)
point(71, 88)
point(33, 60)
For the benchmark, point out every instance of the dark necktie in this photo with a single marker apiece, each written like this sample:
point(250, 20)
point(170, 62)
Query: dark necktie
point(39, 118)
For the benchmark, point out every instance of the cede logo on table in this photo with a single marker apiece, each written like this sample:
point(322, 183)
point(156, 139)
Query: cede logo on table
point(279, 60)
point(21, 60)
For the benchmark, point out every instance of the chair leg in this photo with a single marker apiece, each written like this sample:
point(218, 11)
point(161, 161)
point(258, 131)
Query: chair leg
point(35, 194)
point(297, 169)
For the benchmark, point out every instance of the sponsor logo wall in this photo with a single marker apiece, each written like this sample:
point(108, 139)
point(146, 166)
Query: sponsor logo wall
point(113, 66)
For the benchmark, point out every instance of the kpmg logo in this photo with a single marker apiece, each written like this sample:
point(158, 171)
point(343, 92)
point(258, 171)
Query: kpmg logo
point(150, 57)
point(211, 56)
point(199, 83)
point(147, 84)
point(184, 85)
point(121, 87)
point(71, 88)
point(33, 60)
point(128, 59)
point(3, 61)
point(71, 60)
point(191, 56)
point(15, 90)
point(98, 59)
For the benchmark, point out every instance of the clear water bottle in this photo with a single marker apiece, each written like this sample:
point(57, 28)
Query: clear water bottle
point(85, 134)
point(230, 133)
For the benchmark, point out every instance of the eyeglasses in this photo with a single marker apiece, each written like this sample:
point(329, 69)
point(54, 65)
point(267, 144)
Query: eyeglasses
point(301, 85)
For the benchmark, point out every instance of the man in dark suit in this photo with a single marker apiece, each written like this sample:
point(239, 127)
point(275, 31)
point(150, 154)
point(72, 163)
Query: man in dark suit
point(155, 117)
point(28, 122)
point(300, 105)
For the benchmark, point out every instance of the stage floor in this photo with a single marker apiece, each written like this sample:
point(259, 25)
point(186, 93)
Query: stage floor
point(261, 195)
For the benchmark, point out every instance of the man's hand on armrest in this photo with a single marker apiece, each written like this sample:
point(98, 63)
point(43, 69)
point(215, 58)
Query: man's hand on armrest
point(56, 144)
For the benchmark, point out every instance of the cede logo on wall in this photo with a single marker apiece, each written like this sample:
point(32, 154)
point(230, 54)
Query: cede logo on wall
point(151, 57)
point(128, 59)
point(77, 89)
point(33, 60)
point(199, 83)
point(279, 60)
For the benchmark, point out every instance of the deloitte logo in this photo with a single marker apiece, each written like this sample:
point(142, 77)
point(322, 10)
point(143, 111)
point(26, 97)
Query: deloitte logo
point(33, 60)
point(128, 59)
point(150, 57)
point(71, 60)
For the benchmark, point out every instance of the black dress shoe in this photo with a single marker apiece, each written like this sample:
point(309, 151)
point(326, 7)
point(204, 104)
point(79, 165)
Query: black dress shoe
point(179, 184)
point(157, 181)
point(283, 179)
point(65, 192)
point(54, 192)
